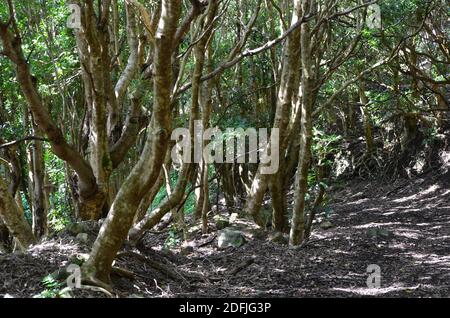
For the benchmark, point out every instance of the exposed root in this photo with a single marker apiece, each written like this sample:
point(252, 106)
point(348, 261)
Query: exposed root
point(167, 269)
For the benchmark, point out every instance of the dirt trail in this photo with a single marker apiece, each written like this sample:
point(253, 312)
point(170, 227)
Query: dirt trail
point(412, 251)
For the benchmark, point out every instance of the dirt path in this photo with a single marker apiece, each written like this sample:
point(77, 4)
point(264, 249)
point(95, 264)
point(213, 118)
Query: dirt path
point(414, 258)
point(411, 248)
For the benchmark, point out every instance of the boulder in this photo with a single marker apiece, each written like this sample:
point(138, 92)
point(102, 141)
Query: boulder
point(326, 225)
point(221, 222)
point(379, 233)
point(372, 232)
point(229, 237)
point(82, 238)
point(384, 234)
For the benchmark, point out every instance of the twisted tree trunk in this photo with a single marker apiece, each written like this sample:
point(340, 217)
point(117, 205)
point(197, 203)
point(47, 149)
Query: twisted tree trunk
point(120, 218)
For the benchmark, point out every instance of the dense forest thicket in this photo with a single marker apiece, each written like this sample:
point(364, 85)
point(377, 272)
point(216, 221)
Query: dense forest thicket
point(287, 144)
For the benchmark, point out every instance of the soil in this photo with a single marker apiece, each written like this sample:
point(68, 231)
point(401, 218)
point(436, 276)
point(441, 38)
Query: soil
point(413, 256)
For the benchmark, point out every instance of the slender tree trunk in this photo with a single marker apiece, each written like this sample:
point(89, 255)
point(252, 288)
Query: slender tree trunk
point(367, 120)
point(176, 197)
point(39, 204)
point(279, 203)
point(317, 202)
point(297, 233)
point(148, 199)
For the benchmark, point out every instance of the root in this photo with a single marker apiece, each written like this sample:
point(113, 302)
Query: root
point(166, 269)
point(123, 273)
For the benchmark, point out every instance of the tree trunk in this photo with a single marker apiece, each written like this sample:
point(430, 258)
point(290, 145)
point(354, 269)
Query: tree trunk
point(87, 185)
point(297, 233)
point(39, 199)
point(286, 93)
point(367, 120)
point(120, 218)
point(14, 219)
point(176, 197)
point(148, 199)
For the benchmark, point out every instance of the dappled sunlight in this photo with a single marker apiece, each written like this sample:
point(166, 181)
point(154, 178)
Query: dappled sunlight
point(357, 202)
point(370, 225)
point(376, 291)
point(408, 233)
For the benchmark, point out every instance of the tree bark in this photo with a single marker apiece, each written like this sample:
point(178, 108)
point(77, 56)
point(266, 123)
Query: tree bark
point(287, 91)
point(13, 219)
point(39, 200)
point(367, 120)
point(12, 48)
point(297, 232)
point(120, 218)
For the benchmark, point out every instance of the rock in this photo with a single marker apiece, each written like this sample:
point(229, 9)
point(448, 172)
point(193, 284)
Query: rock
point(278, 238)
point(383, 233)
point(326, 225)
point(75, 228)
point(233, 218)
point(8, 296)
point(186, 249)
point(82, 238)
point(221, 222)
point(195, 229)
point(379, 233)
point(372, 232)
point(229, 237)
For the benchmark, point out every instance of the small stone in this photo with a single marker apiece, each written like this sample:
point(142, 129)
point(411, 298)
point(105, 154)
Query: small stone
point(326, 225)
point(372, 232)
point(379, 233)
point(383, 233)
point(278, 238)
point(186, 250)
point(233, 217)
point(221, 222)
point(82, 238)
point(230, 238)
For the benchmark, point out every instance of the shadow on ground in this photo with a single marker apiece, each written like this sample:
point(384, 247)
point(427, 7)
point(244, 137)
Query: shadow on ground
point(413, 254)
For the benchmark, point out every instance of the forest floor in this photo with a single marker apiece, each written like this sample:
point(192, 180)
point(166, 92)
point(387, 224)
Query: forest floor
point(413, 253)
